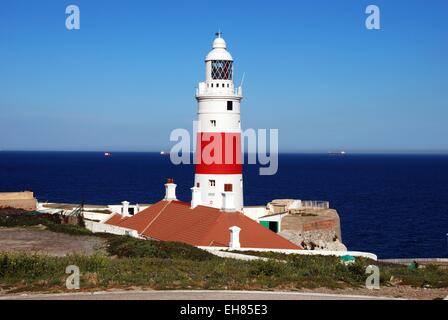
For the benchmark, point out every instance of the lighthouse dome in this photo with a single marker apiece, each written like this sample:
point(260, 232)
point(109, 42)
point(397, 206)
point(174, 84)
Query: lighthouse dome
point(219, 51)
point(219, 43)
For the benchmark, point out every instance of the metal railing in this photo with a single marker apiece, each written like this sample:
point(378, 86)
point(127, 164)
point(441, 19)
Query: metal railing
point(311, 204)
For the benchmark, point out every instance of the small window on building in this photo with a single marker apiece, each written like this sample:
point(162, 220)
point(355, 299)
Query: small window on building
point(212, 183)
point(198, 185)
point(227, 85)
point(223, 85)
point(213, 123)
point(212, 85)
point(228, 187)
point(229, 105)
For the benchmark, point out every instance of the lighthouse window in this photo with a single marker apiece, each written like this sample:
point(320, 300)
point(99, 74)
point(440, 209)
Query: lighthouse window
point(229, 105)
point(213, 123)
point(221, 70)
point(212, 183)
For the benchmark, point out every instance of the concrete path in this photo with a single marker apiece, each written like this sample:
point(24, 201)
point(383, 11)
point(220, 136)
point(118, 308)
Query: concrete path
point(190, 295)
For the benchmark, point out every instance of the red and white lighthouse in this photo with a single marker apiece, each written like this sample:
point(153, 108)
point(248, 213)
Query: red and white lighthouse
point(219, 179)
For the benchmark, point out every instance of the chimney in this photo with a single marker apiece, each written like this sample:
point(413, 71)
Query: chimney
point(195, 197)
point(170, 190)
point(125, 209)
point(228, 198)
point(234, 237)
point(228, 202)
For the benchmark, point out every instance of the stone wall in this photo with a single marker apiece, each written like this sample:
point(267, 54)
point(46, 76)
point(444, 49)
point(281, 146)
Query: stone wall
point(313, 229)
point(18, 200)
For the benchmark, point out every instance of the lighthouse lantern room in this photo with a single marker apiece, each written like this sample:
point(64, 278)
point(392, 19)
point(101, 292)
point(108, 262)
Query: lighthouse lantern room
point(218, 176)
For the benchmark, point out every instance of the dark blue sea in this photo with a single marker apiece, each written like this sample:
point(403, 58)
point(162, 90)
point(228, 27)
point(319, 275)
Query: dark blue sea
point(392, 205)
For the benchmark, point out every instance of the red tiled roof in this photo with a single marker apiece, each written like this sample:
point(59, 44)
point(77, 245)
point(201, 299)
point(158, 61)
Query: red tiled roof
point(201, 226)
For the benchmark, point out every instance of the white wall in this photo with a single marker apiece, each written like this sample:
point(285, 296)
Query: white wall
point(304, 252)
point(255, 212)
point(97, 227)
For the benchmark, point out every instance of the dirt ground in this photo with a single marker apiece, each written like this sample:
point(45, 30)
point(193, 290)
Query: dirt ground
point(38, 240)
point(404, 292)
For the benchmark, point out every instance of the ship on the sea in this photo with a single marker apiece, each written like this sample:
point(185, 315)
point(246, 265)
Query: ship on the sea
point(337, 153)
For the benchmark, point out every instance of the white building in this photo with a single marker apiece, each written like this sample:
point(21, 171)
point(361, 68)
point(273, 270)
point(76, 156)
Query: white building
point(218, 176)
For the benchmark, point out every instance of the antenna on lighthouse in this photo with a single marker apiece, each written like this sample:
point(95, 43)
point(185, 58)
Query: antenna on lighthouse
point(218, 34)
point(242, 79)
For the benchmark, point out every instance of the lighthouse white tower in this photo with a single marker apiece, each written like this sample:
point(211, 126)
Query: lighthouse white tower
point(219, 178)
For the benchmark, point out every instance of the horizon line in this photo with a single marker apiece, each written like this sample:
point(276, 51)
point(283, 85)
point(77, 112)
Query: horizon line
point(331, 152)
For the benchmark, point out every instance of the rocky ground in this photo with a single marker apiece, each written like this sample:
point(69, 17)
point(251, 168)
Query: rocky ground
point(315, 240)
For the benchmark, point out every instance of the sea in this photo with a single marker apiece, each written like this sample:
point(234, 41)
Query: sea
point(395, 206)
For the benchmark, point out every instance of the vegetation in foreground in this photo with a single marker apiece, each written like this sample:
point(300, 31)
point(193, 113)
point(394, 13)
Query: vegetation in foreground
point(163, 265)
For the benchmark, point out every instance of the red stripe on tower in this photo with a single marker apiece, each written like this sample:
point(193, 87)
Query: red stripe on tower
point(219, 153)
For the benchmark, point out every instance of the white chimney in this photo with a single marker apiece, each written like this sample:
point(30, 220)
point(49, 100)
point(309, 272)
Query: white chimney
point(170, 190)
point(234, 237)
point(125, 209)
point(228, 202)
point(195, 197)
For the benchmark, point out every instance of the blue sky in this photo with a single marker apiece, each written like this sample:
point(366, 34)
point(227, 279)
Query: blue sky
point(313, 70)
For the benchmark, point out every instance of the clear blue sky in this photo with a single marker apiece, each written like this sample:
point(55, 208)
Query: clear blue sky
point(313, 70)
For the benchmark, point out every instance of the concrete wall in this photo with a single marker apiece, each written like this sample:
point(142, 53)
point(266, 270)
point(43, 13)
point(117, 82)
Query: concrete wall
point(97, 227)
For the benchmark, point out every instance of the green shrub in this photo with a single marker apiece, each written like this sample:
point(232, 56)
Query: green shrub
point(137, 248)
point(268, 268)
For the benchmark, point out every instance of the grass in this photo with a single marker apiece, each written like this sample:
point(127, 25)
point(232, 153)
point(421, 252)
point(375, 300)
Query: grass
point(430, 276)
point(166, 265)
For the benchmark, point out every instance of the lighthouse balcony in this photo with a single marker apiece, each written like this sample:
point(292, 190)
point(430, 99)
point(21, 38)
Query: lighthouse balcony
point(216, 91)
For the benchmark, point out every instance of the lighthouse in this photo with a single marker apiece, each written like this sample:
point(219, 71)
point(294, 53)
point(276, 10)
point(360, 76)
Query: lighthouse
point(218, 178)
